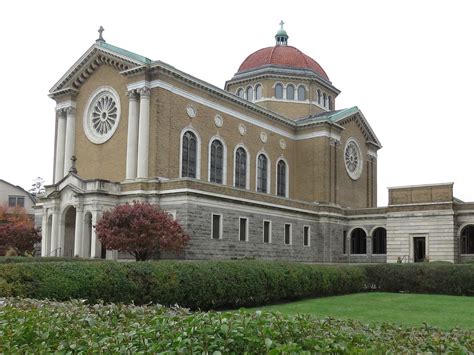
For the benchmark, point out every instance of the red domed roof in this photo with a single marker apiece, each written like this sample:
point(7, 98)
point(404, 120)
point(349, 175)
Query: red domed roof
point(282, 56)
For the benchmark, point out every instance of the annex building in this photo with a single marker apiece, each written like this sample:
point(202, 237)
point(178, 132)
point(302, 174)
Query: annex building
point(268, 167)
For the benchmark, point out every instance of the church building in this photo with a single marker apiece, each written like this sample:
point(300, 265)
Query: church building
point(268, 167)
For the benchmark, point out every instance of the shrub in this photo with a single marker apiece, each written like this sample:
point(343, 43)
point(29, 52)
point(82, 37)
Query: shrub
point(140, 229)
point(197, 285)
point(29, 326)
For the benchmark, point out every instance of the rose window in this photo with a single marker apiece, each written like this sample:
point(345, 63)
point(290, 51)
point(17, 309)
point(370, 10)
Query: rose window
point(102, 115)
point(353, 159)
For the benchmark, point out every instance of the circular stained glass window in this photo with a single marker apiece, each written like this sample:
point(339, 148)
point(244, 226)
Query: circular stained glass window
point(102, 115)
point(353, 159)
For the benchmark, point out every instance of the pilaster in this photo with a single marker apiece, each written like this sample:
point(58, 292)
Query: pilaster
point(143, 133)
point(70, 141)
point(132, 137)
point(60, 141)
point(78, 233)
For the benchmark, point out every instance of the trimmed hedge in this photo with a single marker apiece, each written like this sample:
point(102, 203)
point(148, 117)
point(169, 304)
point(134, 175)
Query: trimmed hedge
point(43, 327)
point(196, 285)
point(434, 278)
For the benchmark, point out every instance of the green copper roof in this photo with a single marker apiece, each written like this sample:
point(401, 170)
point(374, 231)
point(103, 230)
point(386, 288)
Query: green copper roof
point(331, 116)
point(124, 52)
point(281, 32)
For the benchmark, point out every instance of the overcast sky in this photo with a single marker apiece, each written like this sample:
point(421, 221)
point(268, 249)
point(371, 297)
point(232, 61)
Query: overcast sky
point(408, 65)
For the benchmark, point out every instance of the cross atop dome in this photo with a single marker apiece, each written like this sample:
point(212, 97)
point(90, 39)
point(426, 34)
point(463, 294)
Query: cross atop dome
point(281, 36)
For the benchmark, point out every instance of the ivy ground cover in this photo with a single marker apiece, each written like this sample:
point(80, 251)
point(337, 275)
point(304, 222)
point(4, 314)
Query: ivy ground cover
point(29, 326)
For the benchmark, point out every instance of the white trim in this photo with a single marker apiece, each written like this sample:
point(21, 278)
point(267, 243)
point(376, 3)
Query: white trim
point(268, 172)
point(66, 104)
point(291, 233)
point(223, 109)
point(287, 187)
point(246, 230)
point(198, 151)
point(247, 173)
point(309, 235)
point(269, 231)
point(322, 133)
point(224, 162)
point(220, 225)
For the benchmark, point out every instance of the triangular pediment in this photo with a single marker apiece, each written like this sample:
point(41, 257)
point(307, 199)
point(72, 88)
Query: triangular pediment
point(98, 54)
point(355, 115)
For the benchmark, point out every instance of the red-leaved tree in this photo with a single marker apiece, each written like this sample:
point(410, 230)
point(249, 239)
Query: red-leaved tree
point(17, 231)
point(140, 229)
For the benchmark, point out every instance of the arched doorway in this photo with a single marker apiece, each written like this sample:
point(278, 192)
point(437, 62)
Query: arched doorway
point(467, 239)
point(358, 241)
point(69, 231)
point(379, 241)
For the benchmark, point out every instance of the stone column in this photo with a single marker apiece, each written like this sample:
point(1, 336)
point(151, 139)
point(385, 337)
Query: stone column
point(132, 138)
point(78, 233)
point(143, 134)
point(95, 244)
point(55, 233)
point(44, 233)
point(70, 143)
point(60, 140)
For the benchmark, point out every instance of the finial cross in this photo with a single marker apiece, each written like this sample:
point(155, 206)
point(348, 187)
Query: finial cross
point(101, 29)
point(281, 24)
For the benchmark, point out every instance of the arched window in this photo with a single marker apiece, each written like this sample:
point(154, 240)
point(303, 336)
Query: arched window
point(241, 168)
point(279, 91)
point(319, 98)
point(324, 100)
point(301, 93)
point(262, 173)
point(217, 162)
point(240, 93)
point(258, 92)
point(290, 92)
point(330, 102)
point(358, 241)
point(467, 239)
point(189, 155)
point(250, 93)
point(379, 241)
point(281, 178)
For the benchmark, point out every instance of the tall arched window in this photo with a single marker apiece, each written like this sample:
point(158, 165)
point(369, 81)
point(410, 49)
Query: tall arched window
point(279, 91)
point(358, 241)
point(324, 100)
point(330, 102)
point(467, 240)
point(240, 93)
point(189, 155)
point(250, 93)
point(281, 178)
point(320, 96)
point(258, 92)
point(241, 168)
point(379, 241)
point(262, 173)
point(217, 162)
point(301, 93)
point(290, 92)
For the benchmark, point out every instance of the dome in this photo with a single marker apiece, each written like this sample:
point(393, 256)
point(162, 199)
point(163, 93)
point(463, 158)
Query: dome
point(282, 57)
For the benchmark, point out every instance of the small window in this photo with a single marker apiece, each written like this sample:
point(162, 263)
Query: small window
point(306, 236)
point(250, 93)
point(243, 228)
point(301, 93)
point(290, 92)
point(258, 92)
point(279, 91)
point(240, 93)
point(267, 231)
point(216, 231)
point(287, 233)
point(16, 201)
point(330, 102)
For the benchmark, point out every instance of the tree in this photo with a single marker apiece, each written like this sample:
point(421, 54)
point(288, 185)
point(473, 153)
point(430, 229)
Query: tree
point(140, 229)
point(37, 187)
point(17, 231)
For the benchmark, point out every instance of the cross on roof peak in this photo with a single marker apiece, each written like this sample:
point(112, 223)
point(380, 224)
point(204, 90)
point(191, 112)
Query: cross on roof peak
point(100, 39)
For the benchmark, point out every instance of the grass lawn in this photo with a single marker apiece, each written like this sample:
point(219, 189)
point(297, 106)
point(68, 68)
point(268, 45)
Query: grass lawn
point(405, 309)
